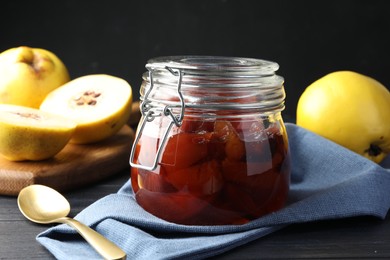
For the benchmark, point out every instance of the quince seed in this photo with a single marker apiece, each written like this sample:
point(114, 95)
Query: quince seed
point(92, 102)
point(28, 115)
point(87, 98)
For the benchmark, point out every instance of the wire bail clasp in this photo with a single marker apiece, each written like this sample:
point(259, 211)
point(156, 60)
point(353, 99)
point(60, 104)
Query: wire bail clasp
point(149, 114)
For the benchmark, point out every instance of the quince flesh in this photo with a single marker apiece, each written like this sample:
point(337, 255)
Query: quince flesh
point(31, 134)
point(27, 75)
point(350, 109)
point(100, 105)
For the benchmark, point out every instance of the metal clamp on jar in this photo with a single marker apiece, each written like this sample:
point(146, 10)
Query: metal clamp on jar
point(211, 147)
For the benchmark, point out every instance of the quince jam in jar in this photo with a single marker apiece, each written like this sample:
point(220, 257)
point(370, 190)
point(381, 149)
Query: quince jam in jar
point(211, 147)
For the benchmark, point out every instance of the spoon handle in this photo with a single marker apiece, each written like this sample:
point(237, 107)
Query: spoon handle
point(102, 245)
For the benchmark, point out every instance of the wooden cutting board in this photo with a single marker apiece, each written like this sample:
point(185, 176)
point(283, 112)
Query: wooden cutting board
point(74, 166)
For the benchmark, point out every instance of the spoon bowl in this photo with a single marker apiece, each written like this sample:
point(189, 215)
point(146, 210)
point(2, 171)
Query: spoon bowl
point(44, 205)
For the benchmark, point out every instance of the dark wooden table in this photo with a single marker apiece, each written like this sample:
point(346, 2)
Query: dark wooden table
point(356, 238)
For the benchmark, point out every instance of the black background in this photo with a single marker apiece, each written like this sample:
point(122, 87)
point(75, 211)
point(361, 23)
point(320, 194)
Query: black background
point(307, 38)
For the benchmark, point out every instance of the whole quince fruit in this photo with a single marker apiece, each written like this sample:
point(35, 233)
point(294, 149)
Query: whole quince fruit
point(100, 105)
point(30, 134)
point(350, 109)
point(27, 75)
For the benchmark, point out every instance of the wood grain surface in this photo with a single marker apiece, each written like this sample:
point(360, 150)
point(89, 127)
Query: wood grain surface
point(74, 166)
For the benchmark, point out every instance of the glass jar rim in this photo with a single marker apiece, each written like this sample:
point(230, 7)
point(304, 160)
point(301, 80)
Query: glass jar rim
point(215, 65)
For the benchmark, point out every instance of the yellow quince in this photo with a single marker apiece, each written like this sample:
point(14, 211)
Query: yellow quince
point(27, 75)
point(350, 109)
point(31, 134)
point(100, 105)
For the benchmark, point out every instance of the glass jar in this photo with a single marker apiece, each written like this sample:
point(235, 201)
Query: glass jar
point(211, 147)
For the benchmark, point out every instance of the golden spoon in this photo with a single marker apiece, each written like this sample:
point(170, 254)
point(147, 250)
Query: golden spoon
point(45, 205)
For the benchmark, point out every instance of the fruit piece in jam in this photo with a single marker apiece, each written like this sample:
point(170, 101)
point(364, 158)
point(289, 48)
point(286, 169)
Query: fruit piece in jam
point(214, 172)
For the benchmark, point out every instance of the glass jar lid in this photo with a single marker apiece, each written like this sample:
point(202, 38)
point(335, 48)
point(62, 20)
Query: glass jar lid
point(212, 82)
point(206, 71)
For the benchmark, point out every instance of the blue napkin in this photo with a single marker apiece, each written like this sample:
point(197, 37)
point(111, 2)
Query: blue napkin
point(327, 182)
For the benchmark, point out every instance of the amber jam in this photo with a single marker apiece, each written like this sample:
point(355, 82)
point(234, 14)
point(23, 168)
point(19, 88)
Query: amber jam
point(220, 164)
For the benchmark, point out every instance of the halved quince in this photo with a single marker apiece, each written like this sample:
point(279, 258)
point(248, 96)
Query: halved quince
point(31, 134)
point(100, 105)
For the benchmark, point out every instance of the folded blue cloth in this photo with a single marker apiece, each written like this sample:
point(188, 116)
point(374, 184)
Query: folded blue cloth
point(327, 182)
